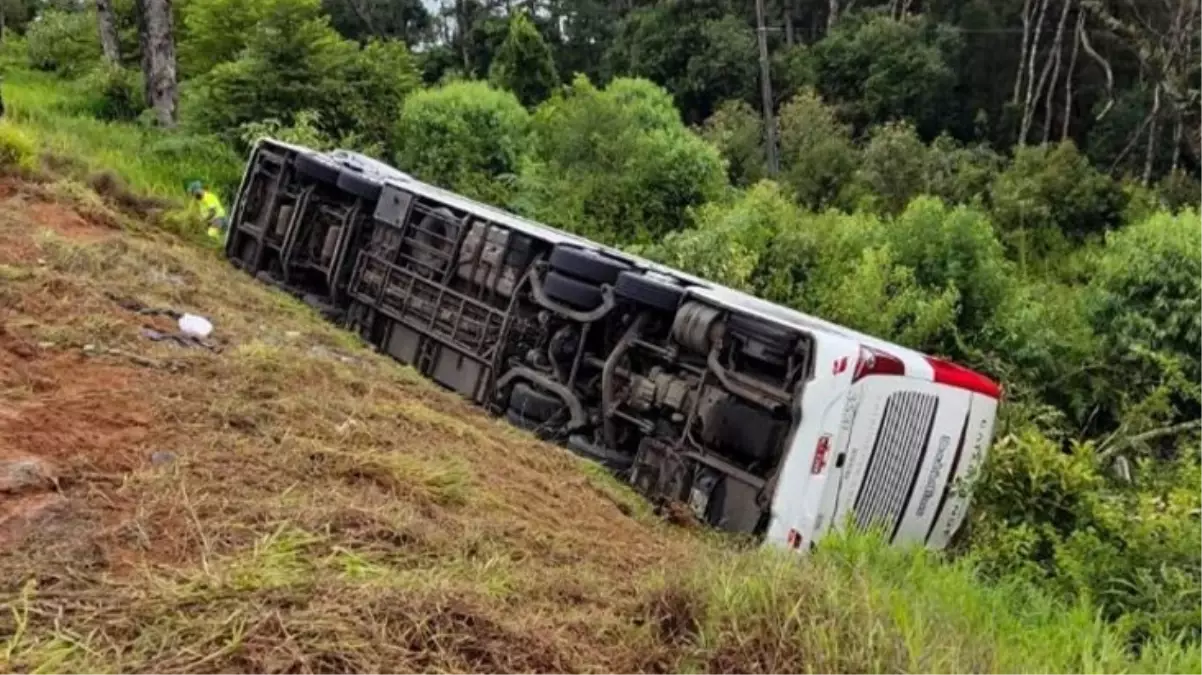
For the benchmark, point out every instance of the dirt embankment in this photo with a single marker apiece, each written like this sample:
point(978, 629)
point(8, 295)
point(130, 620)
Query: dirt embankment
point(286, 502)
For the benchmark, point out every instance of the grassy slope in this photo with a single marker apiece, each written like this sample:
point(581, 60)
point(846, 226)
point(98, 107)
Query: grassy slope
point(328, 510)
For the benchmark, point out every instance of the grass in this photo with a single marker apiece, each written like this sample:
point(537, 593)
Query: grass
point(329, 510)
point(153, 162)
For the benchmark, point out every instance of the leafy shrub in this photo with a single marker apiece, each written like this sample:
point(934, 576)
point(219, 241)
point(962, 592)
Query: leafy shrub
point(293, 62)
point(63, 42)
point(1056, 519)
point(1039, 341)
point(1145, 297)
point(462, 136)
point(729, 240)
point(304, 130)
point(17, 150)
point(817, 157)
point(113, 93)
point(738, 132)
point(1055, 189)
point(892, 168)
point(616, 164)
point(953, 247)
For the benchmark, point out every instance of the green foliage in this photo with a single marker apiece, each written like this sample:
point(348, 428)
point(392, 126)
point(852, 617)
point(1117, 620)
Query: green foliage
point(1056, 518)
point(816, 153)
point(113, 92)
point(66, 43)
point(1145, 298)
point(216, 31)
point(793, 71)
point(953, 247)
point(699, 53)
point(1180, 190)
point(524, 64)
point(294, 61)
point(892, 168)
point(1052, 190)
point(738, 132)
point(463, 136)
point(729, 241)
point(17, 151)
point(856, 605)
point(616, 164)
point(305, 130)
point(879, 69)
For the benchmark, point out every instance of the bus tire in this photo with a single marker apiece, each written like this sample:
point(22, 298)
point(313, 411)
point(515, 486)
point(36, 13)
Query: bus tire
point(578, 294)
point(648, 291)
point(586, 265)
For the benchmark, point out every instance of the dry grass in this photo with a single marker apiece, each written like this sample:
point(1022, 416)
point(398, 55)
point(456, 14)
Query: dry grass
point(328, 510)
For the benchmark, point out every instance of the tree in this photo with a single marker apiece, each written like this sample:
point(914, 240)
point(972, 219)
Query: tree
point(107, 24)
point(463, 136)
point(66, 43)
point(524, 64)
point(697, 49)
point(218, 30)
point(738, 132)
point(616, 163)
point(158, 59)
point(293, 62)
point(1054, 189)
point(816, 153)
point(878, 69)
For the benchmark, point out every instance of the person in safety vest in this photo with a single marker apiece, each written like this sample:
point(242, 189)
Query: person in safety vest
point(210, 208)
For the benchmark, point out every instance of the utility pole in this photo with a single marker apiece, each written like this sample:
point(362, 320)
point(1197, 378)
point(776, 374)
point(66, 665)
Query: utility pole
point(766, 90)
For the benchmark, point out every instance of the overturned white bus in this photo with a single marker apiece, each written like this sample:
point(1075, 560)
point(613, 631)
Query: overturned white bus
point(759, 418)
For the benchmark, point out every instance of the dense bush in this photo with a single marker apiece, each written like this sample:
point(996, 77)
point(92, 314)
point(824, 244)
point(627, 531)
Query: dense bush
point(617, 163)
point(63, 42)
point(738, 132)
point(463, 136)
point(1052, 191)
point(1055, 518)
point(17, 151)
point(1145, 296)
point(816, 153)
point(294, 61)
point(113, 92)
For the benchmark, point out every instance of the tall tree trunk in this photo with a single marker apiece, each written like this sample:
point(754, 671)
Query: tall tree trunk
point(1054, 64)
point(1068, 80)
point(1178, 132)
point(1153, 132)
point(158, 58)
point(1030, 100)
point(1022, 53)
point(790, 37)
point(107, 24)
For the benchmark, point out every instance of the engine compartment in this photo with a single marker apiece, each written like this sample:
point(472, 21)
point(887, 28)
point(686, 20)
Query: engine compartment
point(689, 401)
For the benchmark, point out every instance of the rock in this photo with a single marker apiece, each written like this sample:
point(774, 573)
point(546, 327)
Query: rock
point(20, 517)
point(162, 457)
point(24, 473)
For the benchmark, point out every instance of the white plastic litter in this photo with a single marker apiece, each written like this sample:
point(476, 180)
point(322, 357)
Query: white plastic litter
point(197, 326)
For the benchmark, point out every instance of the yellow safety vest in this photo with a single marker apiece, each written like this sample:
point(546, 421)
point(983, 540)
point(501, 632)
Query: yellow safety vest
point(211, 205)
